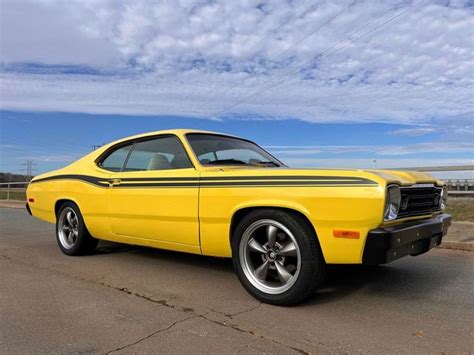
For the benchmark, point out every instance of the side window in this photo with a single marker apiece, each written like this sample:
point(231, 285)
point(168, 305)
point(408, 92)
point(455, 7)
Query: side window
point(207, 157)
point(158, 154)
point(245, 155)
point(114, 160)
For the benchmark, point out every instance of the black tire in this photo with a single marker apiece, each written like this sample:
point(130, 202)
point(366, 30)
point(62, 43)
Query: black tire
point(82, 243)
point(312, 265)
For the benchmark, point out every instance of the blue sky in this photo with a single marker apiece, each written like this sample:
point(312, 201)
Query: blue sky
point(318, 83)
point(53, 139)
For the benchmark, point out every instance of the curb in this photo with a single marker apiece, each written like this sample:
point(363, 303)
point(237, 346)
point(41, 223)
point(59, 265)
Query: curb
point(12, 204)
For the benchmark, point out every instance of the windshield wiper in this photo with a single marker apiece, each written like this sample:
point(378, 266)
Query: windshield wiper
point(227, 161)
point(266, 163)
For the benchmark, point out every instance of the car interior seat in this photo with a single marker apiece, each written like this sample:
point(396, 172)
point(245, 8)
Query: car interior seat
point(159, 162)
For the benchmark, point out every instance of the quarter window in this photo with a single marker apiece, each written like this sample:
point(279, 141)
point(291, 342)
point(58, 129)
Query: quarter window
point(115, 160)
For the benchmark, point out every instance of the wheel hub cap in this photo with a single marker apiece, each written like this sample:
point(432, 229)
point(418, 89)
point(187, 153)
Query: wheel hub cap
point(68, 228)
point(270, 256)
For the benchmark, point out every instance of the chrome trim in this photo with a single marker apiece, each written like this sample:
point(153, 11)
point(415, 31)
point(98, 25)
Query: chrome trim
point(386, 200)
point(418, 185)
point(68, 228)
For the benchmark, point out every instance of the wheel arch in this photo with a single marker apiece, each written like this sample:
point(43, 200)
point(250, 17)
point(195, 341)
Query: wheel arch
point(59, 202)
point(239, 214)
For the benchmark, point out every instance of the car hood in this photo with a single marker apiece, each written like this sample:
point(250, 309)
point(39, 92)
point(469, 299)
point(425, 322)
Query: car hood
point(404, 177)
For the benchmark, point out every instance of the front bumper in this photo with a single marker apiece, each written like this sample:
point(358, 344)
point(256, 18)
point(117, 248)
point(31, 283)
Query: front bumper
point(410, 238)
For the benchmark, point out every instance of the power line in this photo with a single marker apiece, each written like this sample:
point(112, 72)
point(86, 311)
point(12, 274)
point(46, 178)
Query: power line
point(292, 71)
point(283, 23)
point(287, 49)
point(320, 56)
point(299, 41)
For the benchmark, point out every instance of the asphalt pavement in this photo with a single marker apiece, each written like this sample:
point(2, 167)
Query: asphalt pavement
point(139, 300)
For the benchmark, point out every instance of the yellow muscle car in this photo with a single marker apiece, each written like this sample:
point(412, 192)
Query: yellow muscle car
point(215, 194)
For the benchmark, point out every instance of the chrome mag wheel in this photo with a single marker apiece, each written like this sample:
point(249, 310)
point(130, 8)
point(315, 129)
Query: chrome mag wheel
point(68, 228)
point(270, 256)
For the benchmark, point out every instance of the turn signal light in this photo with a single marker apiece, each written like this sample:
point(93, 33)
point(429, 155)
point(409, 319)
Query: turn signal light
point(338, 233)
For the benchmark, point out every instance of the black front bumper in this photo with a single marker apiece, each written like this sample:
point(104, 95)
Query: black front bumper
point(410, 238)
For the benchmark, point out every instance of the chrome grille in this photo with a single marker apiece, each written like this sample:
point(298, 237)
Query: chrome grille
point(419, 200)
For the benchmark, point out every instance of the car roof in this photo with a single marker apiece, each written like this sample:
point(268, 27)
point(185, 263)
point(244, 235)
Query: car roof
point(179, 132)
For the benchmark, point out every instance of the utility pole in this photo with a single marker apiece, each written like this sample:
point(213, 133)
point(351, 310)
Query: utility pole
point(94, 147)
point(29, 168)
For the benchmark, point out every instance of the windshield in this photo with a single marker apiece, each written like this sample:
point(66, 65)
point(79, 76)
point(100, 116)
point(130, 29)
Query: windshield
point(213, 149)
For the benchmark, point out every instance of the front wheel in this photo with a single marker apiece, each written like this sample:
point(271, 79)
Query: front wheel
point(71, 233)
point(277, 257)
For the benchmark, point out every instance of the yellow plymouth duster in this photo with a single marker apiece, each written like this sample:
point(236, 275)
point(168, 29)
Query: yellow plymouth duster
point(214, 194)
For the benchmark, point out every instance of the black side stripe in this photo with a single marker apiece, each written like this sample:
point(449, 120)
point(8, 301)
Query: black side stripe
point(220, 181)
point(94, 179)
point(249, 183)
point(91, 179)
point(244, 178)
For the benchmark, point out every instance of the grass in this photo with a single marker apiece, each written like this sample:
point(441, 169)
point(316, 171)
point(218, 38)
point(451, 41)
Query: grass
point(14, 195)
point(461, 208)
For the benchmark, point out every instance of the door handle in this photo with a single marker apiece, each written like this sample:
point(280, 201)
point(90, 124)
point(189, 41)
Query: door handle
point(114, 182)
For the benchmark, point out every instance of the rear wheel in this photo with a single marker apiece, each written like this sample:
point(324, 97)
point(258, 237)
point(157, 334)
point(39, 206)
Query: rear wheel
point(71, 233)
point(277, 257)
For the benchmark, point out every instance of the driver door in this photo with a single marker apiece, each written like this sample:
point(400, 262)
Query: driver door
point(155, 195)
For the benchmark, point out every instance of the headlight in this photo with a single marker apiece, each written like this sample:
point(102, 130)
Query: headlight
point(392, 202)
point(444, 198)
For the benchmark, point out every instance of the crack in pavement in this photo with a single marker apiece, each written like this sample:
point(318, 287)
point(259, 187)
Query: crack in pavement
point(164, 303)
point(149, 335)
point(232, 315)
point(254, 334)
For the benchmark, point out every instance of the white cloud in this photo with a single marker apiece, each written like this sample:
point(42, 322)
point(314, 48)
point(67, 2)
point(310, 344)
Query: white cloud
point(181, 58)
point(51, 33)
point(385, 150)
point(367, 163)
point(430, 147)
point(386, 164)
point(8, 146)
point(413, 132)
